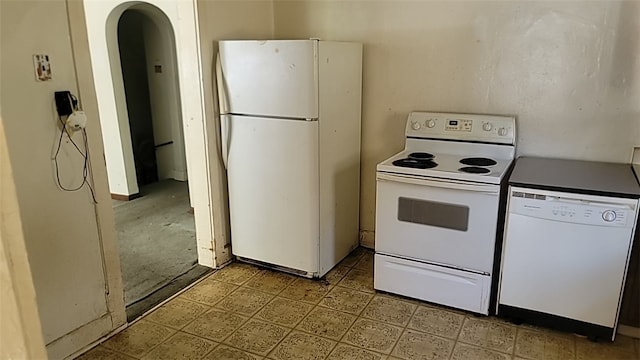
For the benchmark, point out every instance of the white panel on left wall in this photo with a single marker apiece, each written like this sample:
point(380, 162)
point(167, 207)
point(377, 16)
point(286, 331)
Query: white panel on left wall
point(61, 229)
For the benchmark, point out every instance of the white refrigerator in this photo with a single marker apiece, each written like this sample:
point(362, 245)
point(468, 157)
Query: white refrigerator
point(290, 125)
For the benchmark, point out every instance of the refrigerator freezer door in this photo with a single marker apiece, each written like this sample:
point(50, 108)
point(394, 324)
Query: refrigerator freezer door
point(276, 78)
point(273, 191)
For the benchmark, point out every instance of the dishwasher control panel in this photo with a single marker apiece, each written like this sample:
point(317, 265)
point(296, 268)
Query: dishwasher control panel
point(573, 210)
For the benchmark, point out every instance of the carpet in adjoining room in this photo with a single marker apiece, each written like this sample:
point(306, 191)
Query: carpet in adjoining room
point(156, 237)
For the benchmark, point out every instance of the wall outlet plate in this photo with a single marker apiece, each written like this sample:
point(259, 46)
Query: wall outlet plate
point(42, 67)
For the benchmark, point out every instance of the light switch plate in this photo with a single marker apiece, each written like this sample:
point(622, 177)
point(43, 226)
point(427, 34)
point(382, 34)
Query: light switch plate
point(42, 67)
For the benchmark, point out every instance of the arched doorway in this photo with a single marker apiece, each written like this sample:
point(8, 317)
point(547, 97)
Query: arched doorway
point(147, 58)
point(156, 229)
point(102, 19)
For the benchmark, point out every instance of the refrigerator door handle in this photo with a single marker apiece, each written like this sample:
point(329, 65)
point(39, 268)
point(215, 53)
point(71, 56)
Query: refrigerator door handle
point(224, 132)
point(223, 107)
point(222, 92)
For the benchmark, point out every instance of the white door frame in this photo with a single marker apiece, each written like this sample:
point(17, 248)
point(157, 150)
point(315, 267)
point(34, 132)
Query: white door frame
point(102, 20)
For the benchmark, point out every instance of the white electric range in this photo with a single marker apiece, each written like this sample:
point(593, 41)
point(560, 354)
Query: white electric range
point(437, 208)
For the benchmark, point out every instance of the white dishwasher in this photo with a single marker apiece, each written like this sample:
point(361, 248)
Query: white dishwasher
point(568, 235)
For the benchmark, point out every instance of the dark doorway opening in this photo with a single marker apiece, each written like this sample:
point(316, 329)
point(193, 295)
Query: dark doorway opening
point(131, 40)
point(156, 231)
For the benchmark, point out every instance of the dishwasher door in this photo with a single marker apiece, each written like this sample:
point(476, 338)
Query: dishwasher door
point(566, 254)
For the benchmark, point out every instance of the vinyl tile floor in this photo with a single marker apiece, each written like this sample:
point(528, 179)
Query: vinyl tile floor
point(245, 312)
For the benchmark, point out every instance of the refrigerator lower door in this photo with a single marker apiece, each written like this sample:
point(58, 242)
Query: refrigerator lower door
point(273, 190)
point(276, 78)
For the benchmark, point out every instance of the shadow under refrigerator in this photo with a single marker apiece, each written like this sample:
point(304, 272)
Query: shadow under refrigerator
point(290, 124)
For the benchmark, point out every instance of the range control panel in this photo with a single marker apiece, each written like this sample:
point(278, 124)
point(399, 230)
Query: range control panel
point(458, 125)
point(568, 210)
point(470, 127)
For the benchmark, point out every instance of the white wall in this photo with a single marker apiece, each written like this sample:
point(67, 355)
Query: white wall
point(569, 71)
point(68, 254)
point(101, 20)
point(115, 128)
point(165, 100)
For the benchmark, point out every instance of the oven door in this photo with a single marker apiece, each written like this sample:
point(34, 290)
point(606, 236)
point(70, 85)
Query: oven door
point(445, 222)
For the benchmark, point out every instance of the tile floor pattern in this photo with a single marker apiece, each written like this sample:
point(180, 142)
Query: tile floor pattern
point(244, 312)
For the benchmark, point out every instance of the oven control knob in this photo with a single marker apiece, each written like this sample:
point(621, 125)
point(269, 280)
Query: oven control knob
point(502, 131)
point(431, 123)
point(487, 126)
point(415, 125)
point(608, 215)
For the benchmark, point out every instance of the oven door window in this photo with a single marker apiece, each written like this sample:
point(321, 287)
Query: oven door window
point(425, 212)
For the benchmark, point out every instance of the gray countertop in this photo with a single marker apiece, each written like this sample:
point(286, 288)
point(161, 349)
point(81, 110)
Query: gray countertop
point(584, 176)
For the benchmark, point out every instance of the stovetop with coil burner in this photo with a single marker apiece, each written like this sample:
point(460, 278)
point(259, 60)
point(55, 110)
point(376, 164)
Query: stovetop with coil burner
point(417, 160)
point(445, 166)
point(465, 147)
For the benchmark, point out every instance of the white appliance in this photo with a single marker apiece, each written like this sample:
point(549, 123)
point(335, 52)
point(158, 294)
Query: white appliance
point(567, 243)
point(290, 124)
point(437, 208)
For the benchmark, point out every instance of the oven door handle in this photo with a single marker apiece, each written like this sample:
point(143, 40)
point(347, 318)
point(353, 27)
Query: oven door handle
point(448, 184)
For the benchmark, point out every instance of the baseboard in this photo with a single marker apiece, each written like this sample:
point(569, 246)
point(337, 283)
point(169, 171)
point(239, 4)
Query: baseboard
point(629, 331)
point(65, 346)
point(179, 175)
point(121, 197)
point(98, 342)
point(367, 239)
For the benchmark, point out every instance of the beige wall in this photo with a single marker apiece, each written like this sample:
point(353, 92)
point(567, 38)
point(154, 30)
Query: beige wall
point(67, 254)
point(20, 331)
point(225, 20)
point(569, 71)
point(164, 95)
